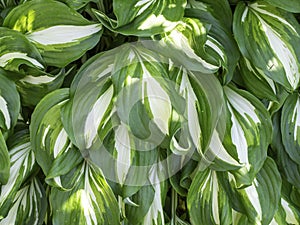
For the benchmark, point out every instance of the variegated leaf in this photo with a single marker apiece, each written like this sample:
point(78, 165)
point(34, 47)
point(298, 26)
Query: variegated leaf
point(90, 202)
point(143, 100)
point(260, 200)
point(60, 39)
point(17, 53)
point(219, 43)
point(207, 201)
point(9, 103)
point(247, 134)
point(4, 161)
point(22, 162)
point(272, 44)
point(214, 7)
point(148, 203)
point(29, 205)
point(204, 102)
point(143, 17)
point(257, 82)
point(33, 88)
point(290, 126)
point(286, 214)
point(290, 170)
point(54, 151)
point(185, 46)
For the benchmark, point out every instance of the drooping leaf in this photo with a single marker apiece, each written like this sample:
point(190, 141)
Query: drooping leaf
point(185, 46)
point(207, 201)
point(9, 103)
point(204, 102)
point(272, 44)
point(29, 205)
point(290, 126)
point(91, 201)
point(54, 151)
point(17, 54)
point(143, 17)
point(257, 82)
point(148, 202)
point(219, 45)
point(260, 200)
point(33, 88)
point(22, 162)
point(286, 214)
point(245, 138)
point(290, 170)
point(62, 38)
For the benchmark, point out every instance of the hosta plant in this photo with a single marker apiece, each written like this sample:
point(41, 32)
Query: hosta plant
point(149, 112)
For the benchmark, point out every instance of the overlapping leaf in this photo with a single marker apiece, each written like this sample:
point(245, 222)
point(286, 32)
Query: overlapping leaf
point(272, 44)
point(244, 140)
point(220, 44)
point(143, 17)
point(17, 54)
point(291, 6)
point(9, 103)
point(91, 201)
point(54, 151)
point(207, 201)
point(33, 88)
point(259, 201)
point(29, 205)
point(60, 39)
point(22, 162)
point(290, 126)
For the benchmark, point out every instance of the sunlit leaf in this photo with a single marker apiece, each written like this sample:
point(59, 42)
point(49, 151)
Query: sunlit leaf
point(17, 53)
point(22, 162)
point(272, 44)
point(62, 38)
point(91, 201)
point(29, 205)
point(143, 17)
point(207, 201)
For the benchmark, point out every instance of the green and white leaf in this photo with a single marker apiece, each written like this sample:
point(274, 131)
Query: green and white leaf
point(185, 46)
point(246, 138)
point(260, 200)
point(214, 7)
point(220, 47)
point(22, 162)
point(204, 102)
point(4, 160)
point(60, 39)
point(29, 205)
point(257, 82)
point(33, 88)
point(91, 201)
point(286, 214)
point(17, 53)
point(207, 201)
point(9, 103)
point(148, 202)
point(290, 170)
point(290, 126)
point(54, 151)
point(143, 17)
point(272, 45)
point(143, 100)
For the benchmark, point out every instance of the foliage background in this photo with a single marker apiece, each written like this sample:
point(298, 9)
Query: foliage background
point(149, 112)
